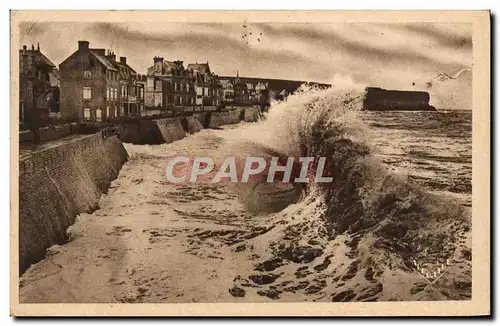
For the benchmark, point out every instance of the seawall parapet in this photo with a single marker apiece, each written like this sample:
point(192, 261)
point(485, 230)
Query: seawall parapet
point(58, 183)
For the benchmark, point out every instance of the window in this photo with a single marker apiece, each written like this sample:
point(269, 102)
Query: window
point(86, 114)
point(87, 74)
point(108, 93)
point(98, 115)
point(187, 87)
point(175, 87)
point(87, 93)
point(107, 112)
point(141, 93)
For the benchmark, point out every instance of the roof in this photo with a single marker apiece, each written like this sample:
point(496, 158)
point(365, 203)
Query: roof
point(170, 65)
point(167, 65)
point(203, 68)
point(226, 83)
point(54, 79)
point(119, 64)
point(131, 69)
point(41, 58)
point(103, 60)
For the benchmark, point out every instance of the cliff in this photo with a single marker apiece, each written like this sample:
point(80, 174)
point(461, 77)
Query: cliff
point(378, 99)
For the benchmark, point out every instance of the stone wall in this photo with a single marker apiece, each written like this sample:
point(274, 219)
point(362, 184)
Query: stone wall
point(58, 183)
point(167, 130)
point(170, 129)
point(51, 132)
point(203, 118)
point(140, 132)
point(193, 124)
point(230, 117)
point(251, 114)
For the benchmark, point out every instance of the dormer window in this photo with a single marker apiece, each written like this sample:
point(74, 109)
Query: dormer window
point(87, 74)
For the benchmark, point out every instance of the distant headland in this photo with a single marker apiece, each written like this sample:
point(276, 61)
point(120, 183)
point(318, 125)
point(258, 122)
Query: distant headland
point(379, 99)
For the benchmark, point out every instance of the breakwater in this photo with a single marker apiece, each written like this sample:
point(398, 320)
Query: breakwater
point(58, 183)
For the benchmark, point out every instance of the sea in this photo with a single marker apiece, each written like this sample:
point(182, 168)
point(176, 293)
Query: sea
point(394, 224)
point(433, 148)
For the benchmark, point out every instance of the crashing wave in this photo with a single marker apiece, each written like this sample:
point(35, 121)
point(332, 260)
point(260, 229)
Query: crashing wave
point(376, 236)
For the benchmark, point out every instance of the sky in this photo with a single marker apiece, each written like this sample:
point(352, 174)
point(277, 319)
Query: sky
point(395, 56)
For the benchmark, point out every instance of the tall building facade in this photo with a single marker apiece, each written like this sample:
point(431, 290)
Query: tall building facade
point(245, 91)
point(207, 85)
point(89, 85)
point(131, 89)
point(38, 85)
point(169, 85)
point(95, 86)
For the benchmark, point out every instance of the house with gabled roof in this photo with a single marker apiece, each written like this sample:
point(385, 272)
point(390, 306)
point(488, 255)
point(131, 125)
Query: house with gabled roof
point(38, 85)
point(131, 92)
point(89, 85)
point(207, 86)
point(169, 86)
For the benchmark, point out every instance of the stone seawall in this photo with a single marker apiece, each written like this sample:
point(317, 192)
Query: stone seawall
point(193, 124)
point(231, 117)
point(58, 183)
point(167, 130)
point(204, 118)
point(251, 114)
point(170, 129)
point(51, 132)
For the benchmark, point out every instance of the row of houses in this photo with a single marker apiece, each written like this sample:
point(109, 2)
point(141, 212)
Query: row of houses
point(93, 84)
point(171, 85)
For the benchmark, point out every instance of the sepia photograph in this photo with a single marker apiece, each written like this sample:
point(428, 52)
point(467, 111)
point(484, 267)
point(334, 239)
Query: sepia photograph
point(306, 158)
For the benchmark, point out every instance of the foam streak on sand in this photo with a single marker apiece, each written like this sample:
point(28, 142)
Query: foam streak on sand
point(355, 239)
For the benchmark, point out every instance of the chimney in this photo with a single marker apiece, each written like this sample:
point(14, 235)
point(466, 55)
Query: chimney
point(157, 59)
point(32, 47)
point(38, 46)
point(25, 48)
point(123, 60)
point(111, 57)
point(83, 45)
